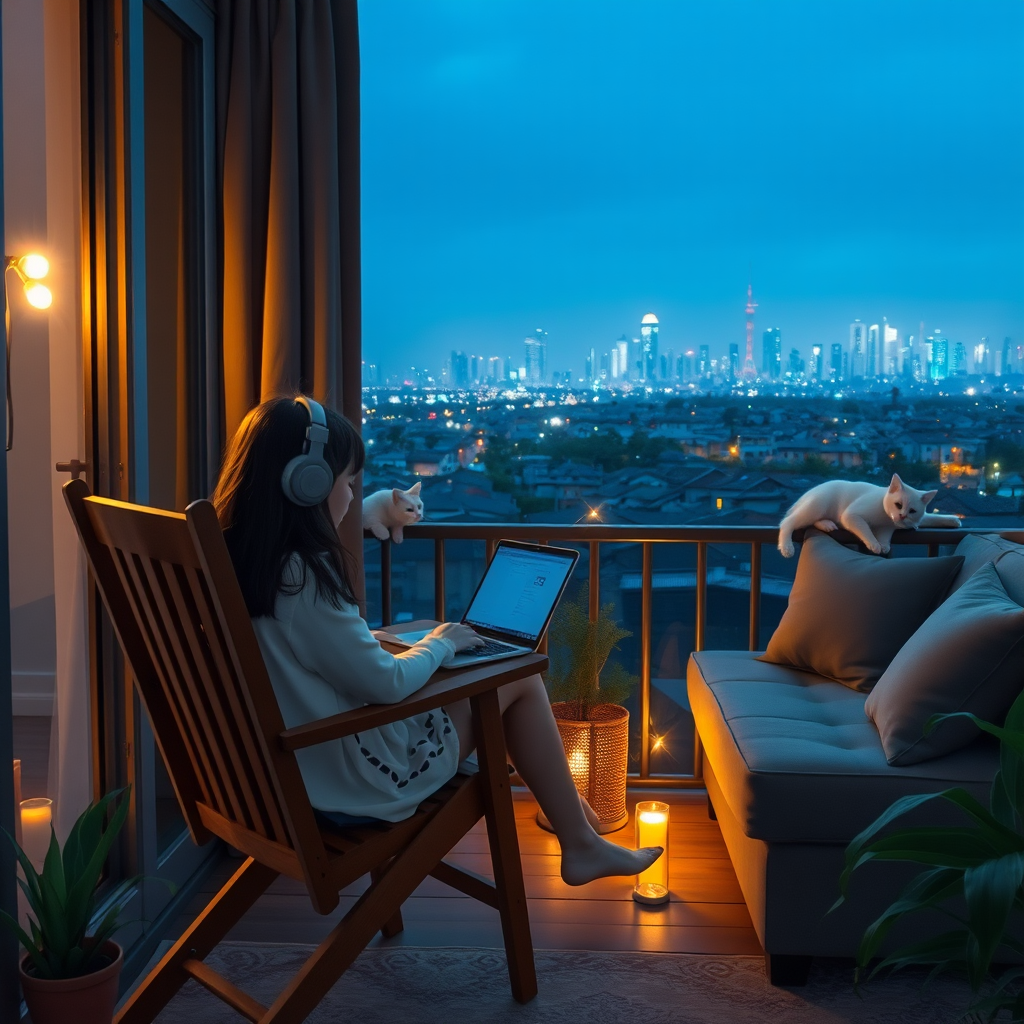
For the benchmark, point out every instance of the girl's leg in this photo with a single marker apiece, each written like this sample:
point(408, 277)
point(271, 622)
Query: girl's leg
point(535, 748)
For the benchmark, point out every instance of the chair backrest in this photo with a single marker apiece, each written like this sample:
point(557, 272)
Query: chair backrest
point(171, 592)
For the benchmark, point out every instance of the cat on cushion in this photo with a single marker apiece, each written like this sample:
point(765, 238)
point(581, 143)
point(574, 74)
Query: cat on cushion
point(387, 513)
point(870, 512)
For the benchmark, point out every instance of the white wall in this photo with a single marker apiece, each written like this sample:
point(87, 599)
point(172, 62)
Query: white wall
point(29, 467)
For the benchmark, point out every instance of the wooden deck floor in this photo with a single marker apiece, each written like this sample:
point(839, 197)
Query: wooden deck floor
point(706, 913)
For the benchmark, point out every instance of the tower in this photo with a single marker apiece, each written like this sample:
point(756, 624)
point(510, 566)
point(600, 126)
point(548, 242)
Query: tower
point(649, 346)
point(858, 349)
point(771, 353)
point(748, 365)
point(536, 356)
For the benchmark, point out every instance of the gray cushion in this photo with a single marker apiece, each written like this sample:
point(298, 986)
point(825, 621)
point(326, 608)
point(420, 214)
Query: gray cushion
point(796, 757)
point(850, 613)
point(967, 656)
point(978, 549)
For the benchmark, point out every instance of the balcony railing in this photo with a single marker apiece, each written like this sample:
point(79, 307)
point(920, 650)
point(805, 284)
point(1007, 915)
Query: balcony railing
point(592, 537)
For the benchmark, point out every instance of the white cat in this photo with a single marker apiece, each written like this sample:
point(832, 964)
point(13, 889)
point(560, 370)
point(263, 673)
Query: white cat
point(387, 513)
point(870, 512)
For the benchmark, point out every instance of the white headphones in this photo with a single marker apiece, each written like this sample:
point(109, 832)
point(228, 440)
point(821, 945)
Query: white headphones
point(307, 479)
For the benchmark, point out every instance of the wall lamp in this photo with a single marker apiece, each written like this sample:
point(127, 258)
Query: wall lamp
point(31, 269)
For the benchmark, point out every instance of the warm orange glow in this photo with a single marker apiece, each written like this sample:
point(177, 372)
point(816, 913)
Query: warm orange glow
point(38, 295)
point(35, 829)
point(35, 266)
point(652, 830)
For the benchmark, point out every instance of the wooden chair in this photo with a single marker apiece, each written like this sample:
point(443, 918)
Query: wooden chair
point(171, 592)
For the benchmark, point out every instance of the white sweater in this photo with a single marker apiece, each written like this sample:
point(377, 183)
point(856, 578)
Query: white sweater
point(323, 660)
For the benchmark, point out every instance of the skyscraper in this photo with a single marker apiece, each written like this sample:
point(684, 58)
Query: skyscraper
point(460, 369)
point(939, 362)
point(816, 363)
point(1009, 362)
point(958, 360)
point(734, 361)
point(623, 347)
point(858, 349)
point(836, 362)
point(871, 353)
point(649, 346)
point(771, 353)
point(536, 356)
point(704, 362)
point(890, 350)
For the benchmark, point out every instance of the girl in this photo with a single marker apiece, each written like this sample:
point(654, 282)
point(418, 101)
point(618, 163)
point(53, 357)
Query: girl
point(322, 658)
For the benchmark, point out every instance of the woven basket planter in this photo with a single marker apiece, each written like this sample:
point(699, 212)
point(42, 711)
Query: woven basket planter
point(598, 754)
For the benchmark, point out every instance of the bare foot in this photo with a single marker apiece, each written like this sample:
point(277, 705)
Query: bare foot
point(827, 525)
point(602, 859)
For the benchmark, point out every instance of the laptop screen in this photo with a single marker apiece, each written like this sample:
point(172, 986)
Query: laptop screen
point(519, 590)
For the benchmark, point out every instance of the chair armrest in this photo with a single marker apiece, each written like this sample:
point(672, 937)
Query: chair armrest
point(444, 687)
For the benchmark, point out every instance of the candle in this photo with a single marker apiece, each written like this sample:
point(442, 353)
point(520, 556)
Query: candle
point(652, 830)
point(35, 829)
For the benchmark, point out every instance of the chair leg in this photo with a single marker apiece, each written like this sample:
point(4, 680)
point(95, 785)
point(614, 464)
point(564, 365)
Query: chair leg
point(394, 925)
point(379, 903)
point(237, 895)
point(504, 845)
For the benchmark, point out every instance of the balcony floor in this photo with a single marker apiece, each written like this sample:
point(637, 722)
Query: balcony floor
point(706, 914)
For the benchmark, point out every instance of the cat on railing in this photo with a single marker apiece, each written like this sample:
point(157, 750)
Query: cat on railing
point(870, 512)
point(387, 513)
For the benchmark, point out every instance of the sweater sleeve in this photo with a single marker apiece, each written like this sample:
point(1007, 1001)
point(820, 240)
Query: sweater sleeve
point(337, 645)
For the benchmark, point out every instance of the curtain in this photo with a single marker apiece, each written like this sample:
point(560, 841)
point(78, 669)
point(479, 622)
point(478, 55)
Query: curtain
point(288, 129)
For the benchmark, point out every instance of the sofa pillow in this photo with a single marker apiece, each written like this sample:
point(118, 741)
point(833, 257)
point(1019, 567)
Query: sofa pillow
point(980, 548)
point(850, 613)
point(967, 656)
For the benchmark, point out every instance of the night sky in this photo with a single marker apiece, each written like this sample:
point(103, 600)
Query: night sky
point(574, 164)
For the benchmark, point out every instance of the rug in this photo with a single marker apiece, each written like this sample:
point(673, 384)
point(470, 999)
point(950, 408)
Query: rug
point(470, 986)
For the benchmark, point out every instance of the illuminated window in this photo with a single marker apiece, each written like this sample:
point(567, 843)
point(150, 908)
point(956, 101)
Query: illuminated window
point(718, 502)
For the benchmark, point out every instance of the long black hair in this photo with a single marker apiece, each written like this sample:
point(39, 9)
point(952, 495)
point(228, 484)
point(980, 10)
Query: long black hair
point(261, 526)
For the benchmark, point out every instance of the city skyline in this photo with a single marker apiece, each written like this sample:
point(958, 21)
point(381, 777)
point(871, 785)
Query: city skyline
point(526, 165)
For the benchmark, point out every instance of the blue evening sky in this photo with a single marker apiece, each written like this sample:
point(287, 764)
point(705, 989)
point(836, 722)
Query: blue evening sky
point(575, 164)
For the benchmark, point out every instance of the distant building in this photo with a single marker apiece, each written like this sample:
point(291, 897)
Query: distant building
point(982, 357)
point(622, 347)
point(649, 346)
point(958, 360)
point(1009, 354)
point(939, 361)
point(771, 353)
point(858, 349)
point(536, 356)
point(836, 362)
point(704, 362)
point(459, 372)
point(890, 350)
point(734, 361)
point(796, 364)
point(816, 362)
point(871, 353)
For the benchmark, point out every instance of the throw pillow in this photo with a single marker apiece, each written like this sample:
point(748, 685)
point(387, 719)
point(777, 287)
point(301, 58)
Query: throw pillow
point(979, 548)
point(850, 613)
point(967, 656)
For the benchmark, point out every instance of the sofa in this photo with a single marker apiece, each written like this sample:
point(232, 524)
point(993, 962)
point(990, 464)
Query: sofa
point(795, 768)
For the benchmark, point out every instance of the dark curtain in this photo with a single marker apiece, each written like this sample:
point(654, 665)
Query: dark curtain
point(288, 131)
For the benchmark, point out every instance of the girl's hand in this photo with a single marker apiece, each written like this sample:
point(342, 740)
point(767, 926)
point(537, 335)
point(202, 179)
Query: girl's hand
point(461, 635)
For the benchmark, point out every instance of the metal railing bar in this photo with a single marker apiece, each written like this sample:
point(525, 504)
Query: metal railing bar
point(646, 615)
point(385, 583)
point(595, 580)
point(755, 596)
point(439, 581)
point(702, 595)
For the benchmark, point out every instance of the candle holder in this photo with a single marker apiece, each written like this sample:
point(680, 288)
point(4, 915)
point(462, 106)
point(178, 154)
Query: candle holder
point(36, 815)
point(652, 830)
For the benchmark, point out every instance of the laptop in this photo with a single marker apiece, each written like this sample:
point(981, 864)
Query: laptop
point(513, 603)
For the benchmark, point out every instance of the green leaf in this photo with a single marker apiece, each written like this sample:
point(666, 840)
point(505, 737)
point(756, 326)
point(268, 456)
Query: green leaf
point(941, 950)
point(989, 890)
point(38, 961)
point(926, 890)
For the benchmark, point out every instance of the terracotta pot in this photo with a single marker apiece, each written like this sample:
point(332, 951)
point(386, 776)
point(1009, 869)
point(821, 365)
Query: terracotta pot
point(89, 999)
point(598, 754)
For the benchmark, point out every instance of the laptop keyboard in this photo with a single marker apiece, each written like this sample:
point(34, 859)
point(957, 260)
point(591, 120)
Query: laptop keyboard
point(491, 647)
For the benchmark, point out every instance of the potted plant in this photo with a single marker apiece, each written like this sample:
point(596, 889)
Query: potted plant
point(586, 694)
point(979, 865)
point(71, 967)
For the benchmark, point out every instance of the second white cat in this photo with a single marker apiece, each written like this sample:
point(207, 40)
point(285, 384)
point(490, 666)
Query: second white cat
point(870, 512)
point(387, 513)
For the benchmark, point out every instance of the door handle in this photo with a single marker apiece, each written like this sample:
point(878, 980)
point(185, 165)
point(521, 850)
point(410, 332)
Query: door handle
point(74, 467)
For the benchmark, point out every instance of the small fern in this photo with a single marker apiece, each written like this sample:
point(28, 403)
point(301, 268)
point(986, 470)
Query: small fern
point(580, 674)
